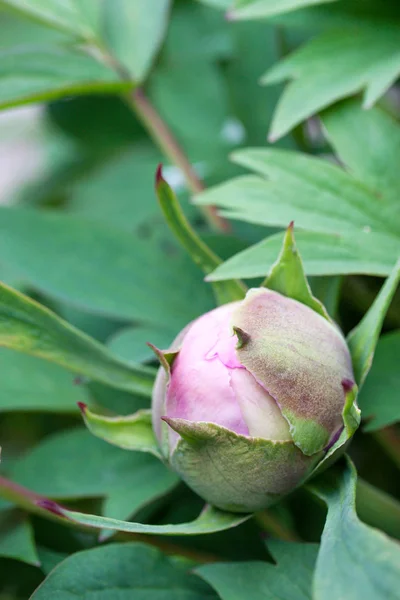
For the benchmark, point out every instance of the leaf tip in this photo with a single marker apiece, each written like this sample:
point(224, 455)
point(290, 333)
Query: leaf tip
point(242, 336)
point(347, 385)
point(159, 176)
point(82, 407)
point(51, 506)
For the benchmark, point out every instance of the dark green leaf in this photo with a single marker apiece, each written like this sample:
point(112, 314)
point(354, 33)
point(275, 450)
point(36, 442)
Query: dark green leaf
point(290, 579)
point(30, 384)
point(28, 327)
point(122, 572)
point(355, 561)
point(16, 538)
point(362, 339)
point(379, 398)
point(130, 344)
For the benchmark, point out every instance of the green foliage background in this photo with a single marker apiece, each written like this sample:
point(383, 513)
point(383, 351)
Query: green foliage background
point(262, 112)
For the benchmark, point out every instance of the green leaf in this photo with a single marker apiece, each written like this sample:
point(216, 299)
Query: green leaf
point(123, 572)
point(134, 32)
point(379, 398)
point(368, 142)
point(79, 18)
point(355, 561)
point(16, 538)
point(210, 520)
point(262, 9)
point(43, 73)
point(287, 276)
point(322, 254)
point(112, 273)
point(31, 384)
point(201, 254)
point(28, 327)
point(127, 481)
point(361, 58)
point(133, 432)
point(282, 194)
point(363, 338)
point(289, 579)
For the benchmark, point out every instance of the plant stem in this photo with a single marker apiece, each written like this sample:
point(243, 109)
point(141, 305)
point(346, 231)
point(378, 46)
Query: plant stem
point(167, 142)
point(274, 526)
point(389, 439)
point(377, 508)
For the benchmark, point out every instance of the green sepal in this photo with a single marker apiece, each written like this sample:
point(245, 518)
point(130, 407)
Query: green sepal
point(133, 432)
point(363, 338)
point(287, 276)
point(351, 420)
point(202, 255)
point(165, 357)
point(235, 472)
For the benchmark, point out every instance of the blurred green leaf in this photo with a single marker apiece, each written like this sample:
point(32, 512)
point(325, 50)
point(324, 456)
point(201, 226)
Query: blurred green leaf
point(43, 73)
point(122, 571)
point(130, 344)
point(261, 9)
point(363, 338)
point(355, 561)
point(79, 18)
point(289, 579)
point(282, 189)
point(110, 272)
point(362, 58)
point(131, 432)
point(28, 327)
point(322, 254)
point(78, 465)
point(134, 32)
point(368, 142)
point(31, 384)
point(16, 538)
point(379, 398)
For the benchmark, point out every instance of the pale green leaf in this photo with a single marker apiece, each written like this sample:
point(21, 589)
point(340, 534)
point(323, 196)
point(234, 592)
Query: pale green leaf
point(368, 142)
point(363, 338)
point(122, 572)
point(289, 579)
point(16, 538)
point(134, 32)
point(132, 432)
point(79, 18)
point(28, 327)
point(362, 58)
point(262, 9)
point(322, 254)
point(379, 398)
point(130, 344)
point(43, 73)
point(355, 561)
point(287, 276)
point(289, 180)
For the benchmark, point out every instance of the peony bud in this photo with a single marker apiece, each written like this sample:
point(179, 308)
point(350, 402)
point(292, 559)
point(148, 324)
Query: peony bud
point(251, 397)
